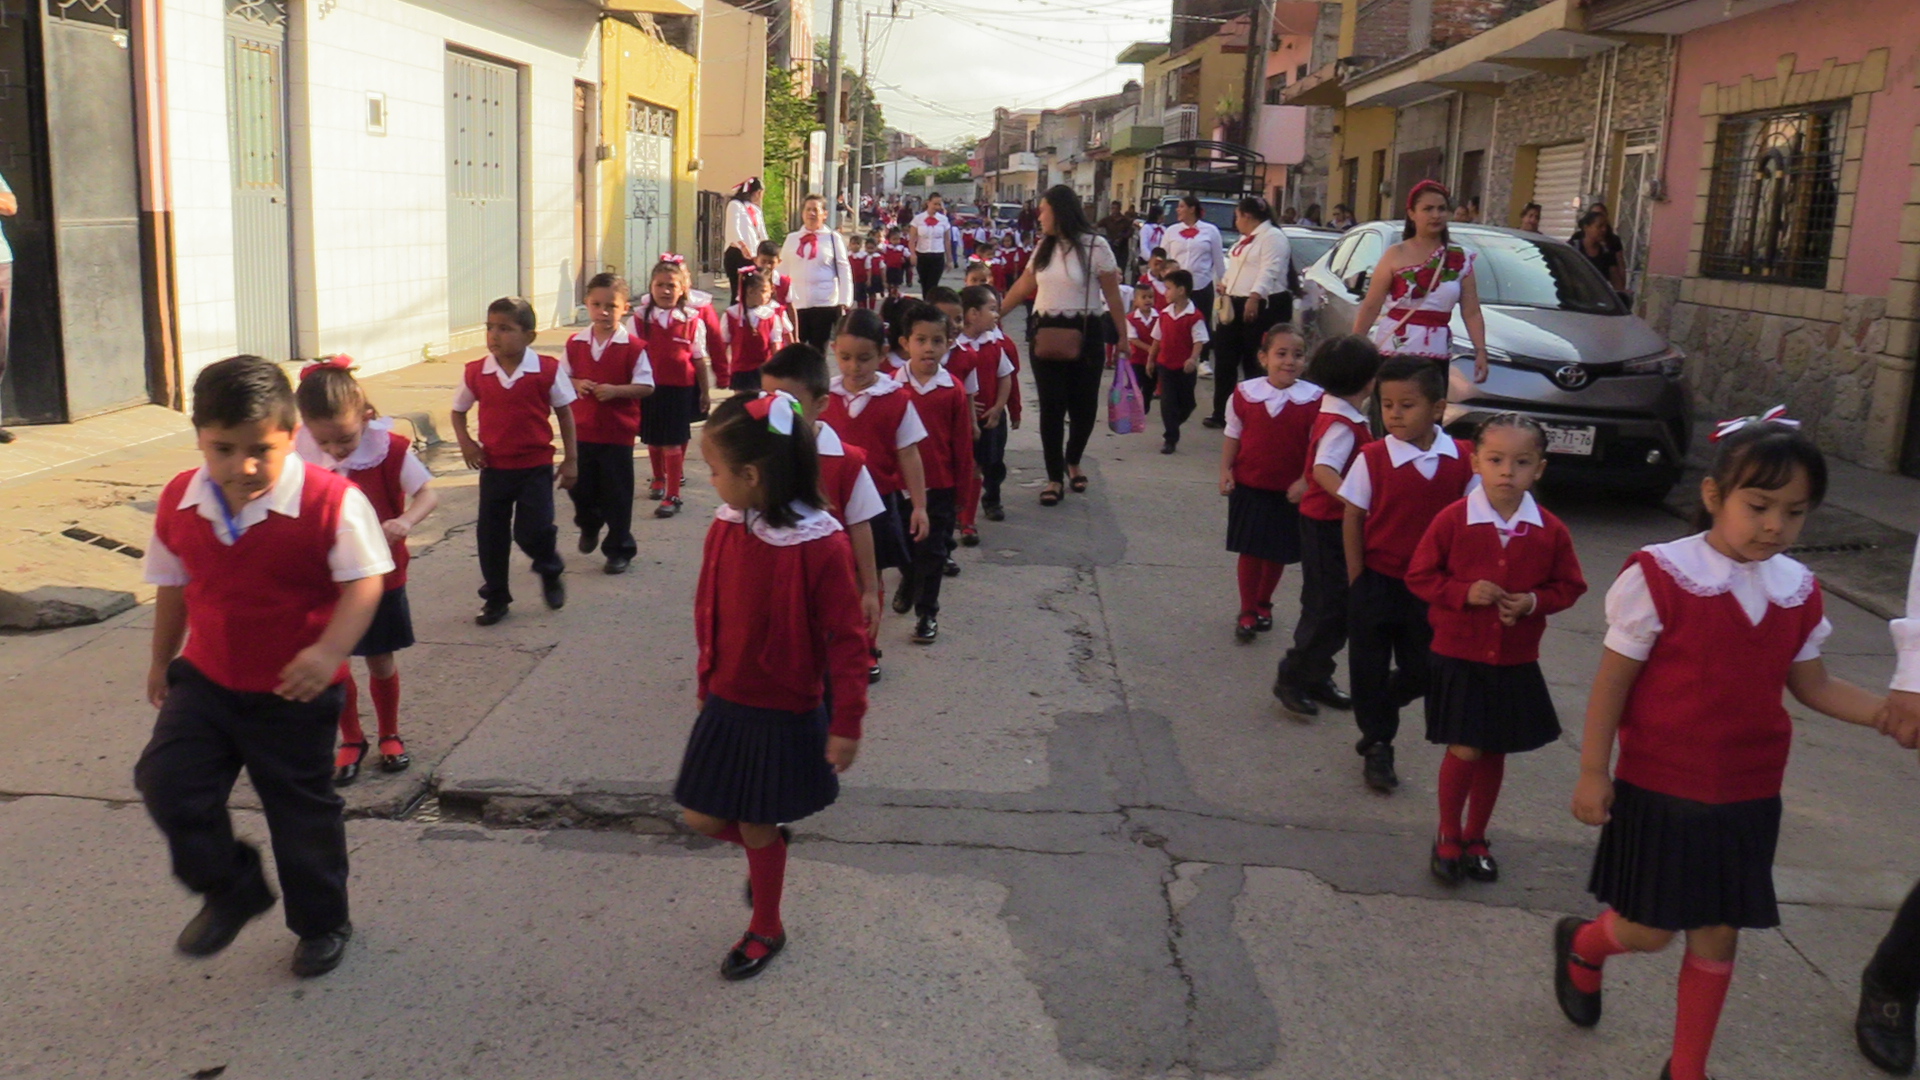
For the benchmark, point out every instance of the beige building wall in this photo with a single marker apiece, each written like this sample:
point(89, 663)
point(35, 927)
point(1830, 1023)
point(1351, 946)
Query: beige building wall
point(733, 96)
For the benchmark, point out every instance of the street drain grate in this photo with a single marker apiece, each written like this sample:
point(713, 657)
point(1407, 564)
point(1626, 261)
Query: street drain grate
point(106, 542)
point(1830, 549)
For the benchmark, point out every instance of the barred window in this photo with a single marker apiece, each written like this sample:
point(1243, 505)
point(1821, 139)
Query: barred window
point(1776, 183)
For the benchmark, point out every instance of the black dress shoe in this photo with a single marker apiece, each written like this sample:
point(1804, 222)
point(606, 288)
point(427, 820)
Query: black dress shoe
point(218, 924)
point(348, 773)
point(903, 596)
point(1378, 770)
point(1214, 422)
point(1446, 868)
point(1884, 1027)
point(1329, 695)
point(618, 564)
point(553, 591)
point(395, 762)
point(1478, 862)
point(951, 568)
point(1262, 623)
point(321, 954)
point(996, 512)
point(1292, 700)
point(738, 965)
point(1244, 633)
point(926, 631)
point(1167, 447)
point(669, 506)
point(969, 538)
point(1581, 1007)
point(490, 614)
point(589, 539)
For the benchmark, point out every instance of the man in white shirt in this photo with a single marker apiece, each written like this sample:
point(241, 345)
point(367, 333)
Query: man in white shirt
point(1255, 282)
point(1890, 986)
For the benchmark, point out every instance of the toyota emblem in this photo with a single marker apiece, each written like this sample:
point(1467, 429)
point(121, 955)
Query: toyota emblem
point(1571, 376)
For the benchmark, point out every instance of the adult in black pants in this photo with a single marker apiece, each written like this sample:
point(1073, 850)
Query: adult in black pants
point(1075, 285)
point(1255, 283)
point(928, 234)
point(746, 229)
point(821, 270)
point(1194, 245)
point(1890, 986)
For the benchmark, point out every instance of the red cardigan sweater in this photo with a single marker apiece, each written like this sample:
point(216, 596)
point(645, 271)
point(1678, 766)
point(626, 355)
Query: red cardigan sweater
point(1453, 555)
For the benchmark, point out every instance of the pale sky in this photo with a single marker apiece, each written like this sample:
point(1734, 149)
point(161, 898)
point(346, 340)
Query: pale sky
point(941, 68)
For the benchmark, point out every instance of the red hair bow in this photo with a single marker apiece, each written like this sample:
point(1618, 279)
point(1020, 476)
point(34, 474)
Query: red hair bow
point(1775, 415)
point(336, 362)
point(1422, 188)
point(777, 408)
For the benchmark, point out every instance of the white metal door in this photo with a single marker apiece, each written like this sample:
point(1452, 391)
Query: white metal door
point(649, 188)
point(1557, 176)
point(483, 187)
point(256, 139)
point(1631, 218)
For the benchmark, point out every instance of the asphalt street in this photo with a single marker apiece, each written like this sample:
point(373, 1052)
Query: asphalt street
point(1081, 841)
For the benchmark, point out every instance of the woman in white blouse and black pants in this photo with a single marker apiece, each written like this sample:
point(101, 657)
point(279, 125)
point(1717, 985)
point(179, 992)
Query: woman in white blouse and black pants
point(746, 230)
point(1255, 282)
point(816, 259)
point(1074, 283)
point(929, 235)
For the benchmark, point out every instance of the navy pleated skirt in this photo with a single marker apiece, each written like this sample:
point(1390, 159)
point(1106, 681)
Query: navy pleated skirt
point(666, 415)
point(1494, 708)
point(761, 766)
point(890, 550)
point(392, 626)
point(1263, 524)
point(1676, 864)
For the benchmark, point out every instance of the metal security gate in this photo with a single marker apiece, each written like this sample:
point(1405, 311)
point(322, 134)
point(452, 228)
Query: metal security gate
point(257, 142)
point(649, 188)
point(483, 187)
point(1631, 218)
point(1556, 187)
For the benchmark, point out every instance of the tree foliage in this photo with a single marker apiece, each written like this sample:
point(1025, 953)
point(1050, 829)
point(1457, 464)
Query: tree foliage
point(790, 119)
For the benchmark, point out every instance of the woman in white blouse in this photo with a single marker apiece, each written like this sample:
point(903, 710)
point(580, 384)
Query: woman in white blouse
point(1075, 286)
point(1255, 283)
point(816, 259)
point(928, 234)
point(1194, 243)
point(746, 230)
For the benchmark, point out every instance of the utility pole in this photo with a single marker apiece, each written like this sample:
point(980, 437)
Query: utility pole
point(830, 170)
point(857, 150)
point(1254, 93)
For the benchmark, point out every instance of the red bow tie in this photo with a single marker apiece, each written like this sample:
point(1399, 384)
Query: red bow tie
point(809, 245)
point(1242, 245)
point(1190, 232)
point(931, 220)
point(753, 214)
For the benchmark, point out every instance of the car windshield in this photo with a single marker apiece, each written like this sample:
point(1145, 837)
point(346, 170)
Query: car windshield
point(1306, 248)
point(1538, 273)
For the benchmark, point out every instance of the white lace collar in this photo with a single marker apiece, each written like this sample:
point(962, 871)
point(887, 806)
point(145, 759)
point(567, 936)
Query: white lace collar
point(1340, 406)
point(1399, 451)
point(882, 386)
point(1261, 392)
point(987, 338)
point(941, 377)
point(813, 525)
point(371, 451)
point(826, 441)
point(1480, 511)
point(666, 317)
point(1696, 567)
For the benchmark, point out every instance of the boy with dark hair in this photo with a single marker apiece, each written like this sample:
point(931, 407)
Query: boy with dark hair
point(1179, 332)
point(270, 570)
point(518, 390)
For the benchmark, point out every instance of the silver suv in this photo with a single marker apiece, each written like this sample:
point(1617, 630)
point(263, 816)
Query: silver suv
point(1563, 348)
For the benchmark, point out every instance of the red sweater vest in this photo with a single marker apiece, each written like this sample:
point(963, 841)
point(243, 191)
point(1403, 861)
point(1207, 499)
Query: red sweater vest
point(838, 475)
point(254, 604)
point(874, 431)
point(1176, 337)
point(1141, 341)
point(1405, 503)
point(1320, 504)
point(615, 422)
point(669, 348)
point(1273, 449)
point(1453, 555)
point(515, 424)
point(947, 453)
point(780, 627)
point(1704, 720)
point(381, 484)
point(748, 347)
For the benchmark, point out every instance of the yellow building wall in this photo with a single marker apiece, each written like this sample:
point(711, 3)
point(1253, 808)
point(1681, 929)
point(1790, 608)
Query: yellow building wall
point(733, 96)
point(1362, 132)
point(1125, 179)
point(1221, 75)
point(634, 65)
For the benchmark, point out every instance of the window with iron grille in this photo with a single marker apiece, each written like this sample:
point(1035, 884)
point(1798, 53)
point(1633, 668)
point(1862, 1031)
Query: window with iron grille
point(1776, 183)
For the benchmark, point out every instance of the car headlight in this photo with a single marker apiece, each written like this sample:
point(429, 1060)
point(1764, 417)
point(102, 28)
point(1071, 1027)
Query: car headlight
point(1669, 363)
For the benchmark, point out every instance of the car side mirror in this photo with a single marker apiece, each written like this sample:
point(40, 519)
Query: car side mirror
point(1357, 282)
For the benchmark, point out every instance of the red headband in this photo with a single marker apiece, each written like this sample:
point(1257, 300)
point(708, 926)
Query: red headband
point(336, 362)
point(1422, 188)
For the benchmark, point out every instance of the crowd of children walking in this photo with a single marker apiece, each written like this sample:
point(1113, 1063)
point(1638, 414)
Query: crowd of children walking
point(1425, 556)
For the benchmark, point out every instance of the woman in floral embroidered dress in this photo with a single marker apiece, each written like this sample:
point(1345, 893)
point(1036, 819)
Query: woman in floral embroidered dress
point(1412, 292)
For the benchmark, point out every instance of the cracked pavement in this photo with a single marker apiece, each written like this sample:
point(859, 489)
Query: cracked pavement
point(1081, 841)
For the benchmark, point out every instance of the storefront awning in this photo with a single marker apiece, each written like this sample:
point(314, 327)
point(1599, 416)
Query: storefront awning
point(1552, 38)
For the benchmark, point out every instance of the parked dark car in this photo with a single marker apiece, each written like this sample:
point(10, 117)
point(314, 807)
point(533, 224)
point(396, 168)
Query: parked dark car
point(1562, 349)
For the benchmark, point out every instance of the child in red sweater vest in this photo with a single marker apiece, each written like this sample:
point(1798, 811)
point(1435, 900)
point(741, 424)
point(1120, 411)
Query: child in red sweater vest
point(518, 391)
point(1395, 489)
point(1690, 812)
point(946, 456)
point(1179, 333)
point(673, 333)
point(269, 570)
point(341, 432)
point(612, 377)
point(1262, 473)
point(783, 655)
point(1491, 568)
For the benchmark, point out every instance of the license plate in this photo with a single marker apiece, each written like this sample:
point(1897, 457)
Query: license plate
point(1570, 439)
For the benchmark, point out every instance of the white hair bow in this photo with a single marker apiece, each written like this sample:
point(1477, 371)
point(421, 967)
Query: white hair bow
point(1775, 415)
point(777, 408)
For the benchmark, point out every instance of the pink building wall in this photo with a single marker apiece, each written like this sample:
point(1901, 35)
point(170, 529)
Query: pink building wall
point(1814, 30)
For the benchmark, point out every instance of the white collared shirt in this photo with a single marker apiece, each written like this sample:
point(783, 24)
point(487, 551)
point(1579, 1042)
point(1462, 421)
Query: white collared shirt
point(1203, 255)
point(1480, 511)
point(1257, 265)
point(359, 545)
point(666, 317)
point(929, 239)
point(863, 503)
point(1262, 392)
point(753, 317)
point(745, 225)
point(1358, 486)
point(559, 397)
point(1633, 623)
point(1906, 635)
point(1199, 330)
point(911, 429)
point(1005, 367)
point(941, 377)
point(826, 279)
point(372, 450)
point(1336, 446)
point(596, 347)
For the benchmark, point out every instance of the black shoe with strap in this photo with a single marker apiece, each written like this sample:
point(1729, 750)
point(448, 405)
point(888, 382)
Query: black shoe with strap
point(1884, 1026)
point(393, 754)
point(346, 772)
point(1444, 866)
point(739, 965)
point(1478, 862)
point(1580, 1007)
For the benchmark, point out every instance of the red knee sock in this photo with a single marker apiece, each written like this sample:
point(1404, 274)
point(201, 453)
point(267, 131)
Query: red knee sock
point(767, 872)
point(1703, 990)
point(386, 704)
point(1594, 943)
point(350, 713)
point(731, 834)
point(1249, 573)
point(1456, 780)
point(655, 459)
point(676, 462)
point(1487, 774)
point(1270, 572)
